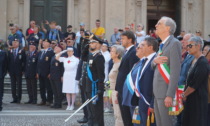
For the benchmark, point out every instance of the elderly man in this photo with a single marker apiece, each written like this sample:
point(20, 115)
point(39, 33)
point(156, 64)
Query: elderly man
point(164, 82)
point(115, 37)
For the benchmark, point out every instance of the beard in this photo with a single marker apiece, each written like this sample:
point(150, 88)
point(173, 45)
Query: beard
point(92, 49)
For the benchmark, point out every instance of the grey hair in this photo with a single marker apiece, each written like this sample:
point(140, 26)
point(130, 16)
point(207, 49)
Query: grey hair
point(58, 27)
point(190, 34)
point(171, 23)
point(141, 26)
point(197, 40)
point(119, 50)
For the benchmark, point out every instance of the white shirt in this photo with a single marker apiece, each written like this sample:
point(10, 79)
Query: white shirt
point(148, 60)
point(164, 41)
point(78, 35)
point(106, 64)
point(140, 38)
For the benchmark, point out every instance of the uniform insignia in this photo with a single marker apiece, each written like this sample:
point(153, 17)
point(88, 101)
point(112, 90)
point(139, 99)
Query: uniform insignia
point(33, 60)
point(91, 62)
point(47, 58)
point(20, 56)
point(11, 50)
point(56, 64)
point(19, 51)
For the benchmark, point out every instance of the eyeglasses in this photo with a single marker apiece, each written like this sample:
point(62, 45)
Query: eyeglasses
point(191, 45)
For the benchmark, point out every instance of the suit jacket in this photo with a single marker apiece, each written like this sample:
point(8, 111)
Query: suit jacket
point(3, 63)
point(126, 65)
point(56, 69)
point(31, 65)
point(146, 85)
point(172, 50)
point(16, 64)
point(43, 65)
point(184, 69)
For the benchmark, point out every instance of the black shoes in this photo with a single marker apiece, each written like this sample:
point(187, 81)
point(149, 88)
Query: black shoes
point(15, 101)
point(42, 103)
point(56, 106)
point(83, 120)
point(29, 102)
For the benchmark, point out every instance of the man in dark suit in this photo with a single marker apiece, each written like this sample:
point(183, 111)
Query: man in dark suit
point(144, 94)
point(164, 87)
point(43, 73)
point(3, 71)
point(56, 75)
point(128, 60)
point(16, 61)
point(30, 73)
point(95, 84)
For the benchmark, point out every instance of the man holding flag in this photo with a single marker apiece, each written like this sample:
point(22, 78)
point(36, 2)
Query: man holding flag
point(167, 67)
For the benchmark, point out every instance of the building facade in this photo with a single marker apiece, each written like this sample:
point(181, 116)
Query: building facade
point(190, 15)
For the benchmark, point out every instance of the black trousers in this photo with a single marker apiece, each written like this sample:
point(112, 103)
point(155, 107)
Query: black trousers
point(125, 112)
point(1, 90)
point(44, 84)
point(16, 84)
point(32, 89)
point(57, 91)
point(209, 114)
point(84, 98)
point(96, 111)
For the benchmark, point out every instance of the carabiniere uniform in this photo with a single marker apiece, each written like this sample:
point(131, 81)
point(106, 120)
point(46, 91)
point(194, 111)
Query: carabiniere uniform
point(94, 86)
point(30, 74)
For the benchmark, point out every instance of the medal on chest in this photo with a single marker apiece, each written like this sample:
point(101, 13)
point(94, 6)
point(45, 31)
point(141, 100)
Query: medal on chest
point(47, 58)
point(56, 63)
point(90, 62)
point(33, 60)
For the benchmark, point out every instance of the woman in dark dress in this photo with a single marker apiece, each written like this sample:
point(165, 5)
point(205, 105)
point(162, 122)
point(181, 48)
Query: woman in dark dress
point(195, 95)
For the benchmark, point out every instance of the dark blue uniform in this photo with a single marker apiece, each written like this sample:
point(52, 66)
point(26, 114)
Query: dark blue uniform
point(95, 111)
point(56, 73)
point(16, 61)
point(30, 74)
point(3, 71)
point(43, 70)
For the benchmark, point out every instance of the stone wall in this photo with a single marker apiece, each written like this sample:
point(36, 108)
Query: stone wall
point(112, 13)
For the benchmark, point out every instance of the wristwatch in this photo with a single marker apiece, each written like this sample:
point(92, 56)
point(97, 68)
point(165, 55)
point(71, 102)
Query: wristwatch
point(183, 96)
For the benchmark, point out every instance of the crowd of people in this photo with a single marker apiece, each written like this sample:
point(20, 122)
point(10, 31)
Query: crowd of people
point(149, 79)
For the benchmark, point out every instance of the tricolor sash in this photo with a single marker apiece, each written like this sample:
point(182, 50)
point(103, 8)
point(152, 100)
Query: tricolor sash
point(165, 73)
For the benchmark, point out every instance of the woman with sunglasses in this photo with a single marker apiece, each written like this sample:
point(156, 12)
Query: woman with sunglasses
point(195, 95)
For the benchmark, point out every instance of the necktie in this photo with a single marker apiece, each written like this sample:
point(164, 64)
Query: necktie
point(42, 54)
point(161, 46)
point(14, 53)
point(143, 61)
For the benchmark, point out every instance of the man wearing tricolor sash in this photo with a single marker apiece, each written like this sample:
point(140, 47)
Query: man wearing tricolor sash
point(167, 67)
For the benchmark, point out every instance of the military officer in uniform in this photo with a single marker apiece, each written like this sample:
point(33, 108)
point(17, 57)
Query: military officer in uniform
point(95, 83)
point(83, 48)
point(16, 61)
point(43, 73)
point(56, 76)
point(3, 71)
point(30, 72)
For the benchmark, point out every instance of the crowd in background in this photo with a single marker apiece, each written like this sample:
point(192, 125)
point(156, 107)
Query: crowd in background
point(51, 55)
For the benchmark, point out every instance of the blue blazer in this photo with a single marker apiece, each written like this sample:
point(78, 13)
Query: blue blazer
point(126, 65)
point(3, 63)
point(146, 85)
point(184, 69)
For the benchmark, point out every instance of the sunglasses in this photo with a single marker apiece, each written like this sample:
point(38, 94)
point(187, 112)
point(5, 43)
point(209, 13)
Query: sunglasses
point(191, 45)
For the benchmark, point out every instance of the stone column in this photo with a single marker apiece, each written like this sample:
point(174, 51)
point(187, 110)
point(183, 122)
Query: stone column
point(94, 12)
point(141, 13)
point(21, 13)
point(84, 13)
point(206, 19)
point(3, 21)
point(115, 16)
point(26, 15)
point(70, 12)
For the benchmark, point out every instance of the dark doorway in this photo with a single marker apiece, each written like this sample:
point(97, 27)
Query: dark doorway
point(158, 8)
point(51, 10)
